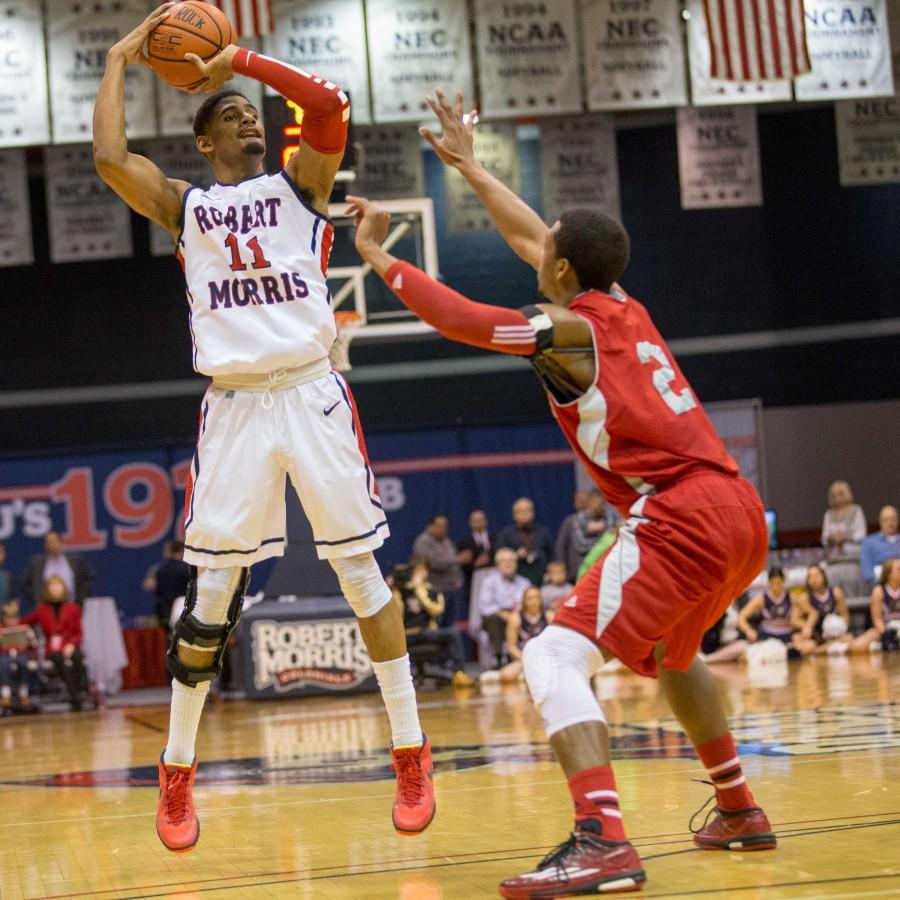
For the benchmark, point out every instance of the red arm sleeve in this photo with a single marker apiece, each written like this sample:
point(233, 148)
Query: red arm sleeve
point(458, 318)
point(326, 108)
point(29, 619)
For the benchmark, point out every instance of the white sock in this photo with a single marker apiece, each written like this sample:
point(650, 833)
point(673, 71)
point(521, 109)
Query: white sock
point(399, 695)
point(184, 720)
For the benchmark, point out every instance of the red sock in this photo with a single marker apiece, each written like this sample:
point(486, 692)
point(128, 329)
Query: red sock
point(595, 796)
point(720, 757)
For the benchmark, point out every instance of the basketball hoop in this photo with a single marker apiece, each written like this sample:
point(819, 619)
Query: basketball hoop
point(347, 323)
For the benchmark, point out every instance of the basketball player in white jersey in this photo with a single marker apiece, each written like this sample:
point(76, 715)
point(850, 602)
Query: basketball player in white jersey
point(254, 249)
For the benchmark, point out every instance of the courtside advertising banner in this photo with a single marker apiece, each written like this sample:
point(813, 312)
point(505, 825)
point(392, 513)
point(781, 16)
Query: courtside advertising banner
point(15, 213)
point(849, 44)
point(389, 162)
point(78, 38)
point(23, 75)
point(579, 167)
point(718, 157)
point(633, 54)
point(868, 134)
point(707, 91)
point(527, 58)
point(328, 38)
point(496, 149)
point(414, 47)
point(87, 220)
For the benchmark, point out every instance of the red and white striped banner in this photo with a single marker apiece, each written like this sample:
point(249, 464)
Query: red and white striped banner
point(756, 40)
point(250, 18)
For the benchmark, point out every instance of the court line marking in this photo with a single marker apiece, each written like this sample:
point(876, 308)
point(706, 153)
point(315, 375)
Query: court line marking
point(157, 728)
point(788, 884)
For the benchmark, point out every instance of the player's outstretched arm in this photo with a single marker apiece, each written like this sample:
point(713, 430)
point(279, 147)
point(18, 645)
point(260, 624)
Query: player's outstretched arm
point(134, 178)
point(522, 228)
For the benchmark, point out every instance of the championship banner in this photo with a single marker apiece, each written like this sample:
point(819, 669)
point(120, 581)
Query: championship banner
point(579, 167)
point(23, 76)
point(633, 54)
point(87, 220)
point(414, 47)
point(325, 37)
point(78, 37)
point(706, 91)
point(389, 162)
point(15, 213)
point(718, 157)
point(849, 44)
point(178, 158)
point(868, 136)
point(527, 57)
point(496, 149)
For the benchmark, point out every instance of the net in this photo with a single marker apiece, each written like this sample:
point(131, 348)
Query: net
point(347, 323)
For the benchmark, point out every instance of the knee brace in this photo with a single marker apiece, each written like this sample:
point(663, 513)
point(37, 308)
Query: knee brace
point(558, 666)
point(212, 608)
point(362, 584)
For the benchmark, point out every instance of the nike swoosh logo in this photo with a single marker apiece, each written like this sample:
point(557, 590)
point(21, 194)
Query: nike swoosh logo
point(330, 409)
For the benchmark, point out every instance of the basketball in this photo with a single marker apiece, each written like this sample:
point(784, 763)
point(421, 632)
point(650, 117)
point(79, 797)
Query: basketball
point(192, 27)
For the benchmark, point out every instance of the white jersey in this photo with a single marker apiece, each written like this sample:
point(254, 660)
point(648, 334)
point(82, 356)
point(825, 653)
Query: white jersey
point(254, 256)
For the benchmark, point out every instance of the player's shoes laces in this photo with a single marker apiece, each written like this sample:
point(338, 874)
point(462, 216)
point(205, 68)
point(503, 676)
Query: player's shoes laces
point(583, 864)
point(733, 829)
point(176, 820)
point(414, 804)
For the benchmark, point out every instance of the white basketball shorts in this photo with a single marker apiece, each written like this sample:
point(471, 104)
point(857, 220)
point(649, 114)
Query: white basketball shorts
point(235, 498)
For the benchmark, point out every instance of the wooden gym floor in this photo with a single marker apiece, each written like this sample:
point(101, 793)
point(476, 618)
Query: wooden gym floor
point(294, 796)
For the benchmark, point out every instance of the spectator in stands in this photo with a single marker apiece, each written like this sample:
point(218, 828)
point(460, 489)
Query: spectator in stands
point(583, 531)
point(170, 581)
point(72, 568)
point(843, 530)
point(827, 620)
point(422, 607)
point(885, 610)
point(563, 546)
point(884, 544)
point(18, 659)
point(524, 623)
point(780, 619)
point(530, 540)
point(556, 586)
point(149, 581)
point(476, 550)
point(500, 594)
point(60, 621)
point(6, 586)
point(434, 546)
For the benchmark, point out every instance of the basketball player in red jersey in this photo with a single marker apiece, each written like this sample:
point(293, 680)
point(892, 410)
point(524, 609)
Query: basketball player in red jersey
point(695, 534)
point(254, 249)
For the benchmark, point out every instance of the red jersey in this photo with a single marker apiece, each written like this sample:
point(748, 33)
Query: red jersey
point(639, 427)
point(61, 625)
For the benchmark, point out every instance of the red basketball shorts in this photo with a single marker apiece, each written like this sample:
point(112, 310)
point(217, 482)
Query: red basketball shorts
point(677, 564)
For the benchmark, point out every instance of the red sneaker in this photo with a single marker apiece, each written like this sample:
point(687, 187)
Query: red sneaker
point(735, 829)
point(176, 820)
point(414, 804)
point(584, 864)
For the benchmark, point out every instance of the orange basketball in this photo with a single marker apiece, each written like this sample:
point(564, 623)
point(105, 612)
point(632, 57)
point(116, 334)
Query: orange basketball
point(192, 27)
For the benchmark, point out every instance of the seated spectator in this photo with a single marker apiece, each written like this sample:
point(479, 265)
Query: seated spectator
point(530, 540)
point(604, 542)
point(74, 570)
point(476, 550)
point(885, 609)
point(780, 618)
point(563, 548)
point(500, 594)
point(18, 660)
point(827, 618)
point(170, 581)
point(723, 642)
point(60, 621)
point(556, 586)
point(524, 623)
point(422, 606)
point(884, 544)
point(843, 530)
point(435, 548)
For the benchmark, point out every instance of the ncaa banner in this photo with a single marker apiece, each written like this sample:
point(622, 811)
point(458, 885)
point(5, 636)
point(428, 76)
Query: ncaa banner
point(389, 162)
point(849, 44)
point(527, 58)
point(579, 167)
point(868, 135)
point(87, 220)
point(706, 91)
point(78, 37)
point(325, 37)
point(15, 213)
point(633, 54)
point(23, 76)
point(718, 157)
point(414, 47)
point(496, 149)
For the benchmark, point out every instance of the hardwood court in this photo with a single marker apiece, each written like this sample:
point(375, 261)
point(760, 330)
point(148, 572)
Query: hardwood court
point(294, 797)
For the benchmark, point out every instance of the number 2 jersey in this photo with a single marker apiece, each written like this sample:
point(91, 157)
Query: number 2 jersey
point(255, 255)
point(639, 427)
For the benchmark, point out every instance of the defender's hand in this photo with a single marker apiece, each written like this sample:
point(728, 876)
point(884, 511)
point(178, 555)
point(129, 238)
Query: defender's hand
point(372, 224)
point(216, 71)
point(454, 146)
point(131, 47)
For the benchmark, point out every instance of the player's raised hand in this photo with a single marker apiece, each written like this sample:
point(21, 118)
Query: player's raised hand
point(131, 47)
point(216, 71)
point(372, 222)
point(454, 146)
